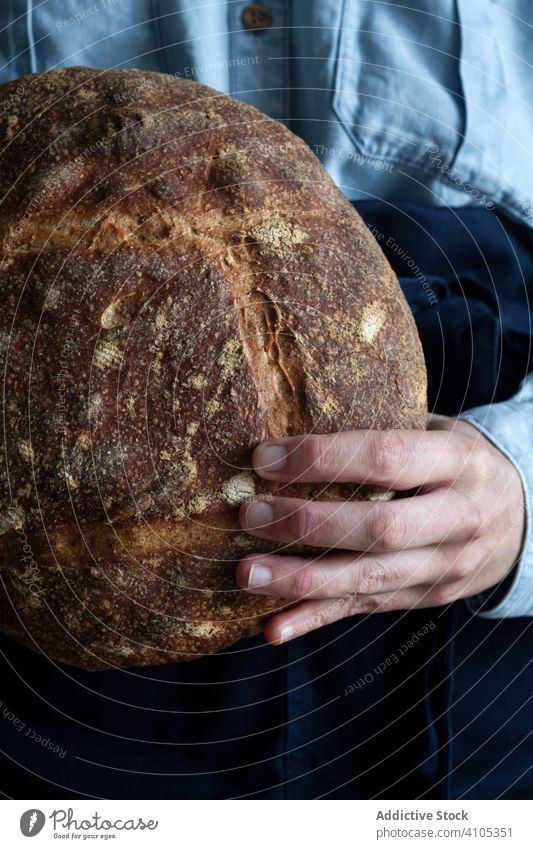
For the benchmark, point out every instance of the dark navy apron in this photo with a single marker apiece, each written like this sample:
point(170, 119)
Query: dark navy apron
point(431, 703)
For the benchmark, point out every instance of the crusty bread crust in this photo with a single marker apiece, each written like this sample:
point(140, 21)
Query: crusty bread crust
point(181, 279)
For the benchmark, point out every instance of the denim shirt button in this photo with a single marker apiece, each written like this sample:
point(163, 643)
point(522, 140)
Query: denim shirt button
point(256, 17)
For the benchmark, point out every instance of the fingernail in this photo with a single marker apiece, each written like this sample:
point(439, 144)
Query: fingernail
point(287, 633)
point(270, 458)
point(258, 514)
point(259, 576)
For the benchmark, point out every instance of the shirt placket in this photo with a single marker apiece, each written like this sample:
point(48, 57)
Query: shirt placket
point(259, 63)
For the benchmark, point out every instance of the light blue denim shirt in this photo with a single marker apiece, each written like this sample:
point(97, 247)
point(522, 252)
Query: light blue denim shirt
point(432, 104)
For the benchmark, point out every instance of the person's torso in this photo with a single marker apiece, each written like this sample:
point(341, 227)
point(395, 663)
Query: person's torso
point(333, 713)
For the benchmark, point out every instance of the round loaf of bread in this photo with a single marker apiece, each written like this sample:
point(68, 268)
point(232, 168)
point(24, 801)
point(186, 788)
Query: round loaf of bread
point(181, 279)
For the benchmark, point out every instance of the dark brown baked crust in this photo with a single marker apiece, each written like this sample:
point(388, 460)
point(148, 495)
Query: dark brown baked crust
point(180, 279)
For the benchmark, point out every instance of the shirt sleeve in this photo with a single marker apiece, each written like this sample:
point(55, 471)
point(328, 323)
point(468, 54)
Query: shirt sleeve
point(509, 426)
